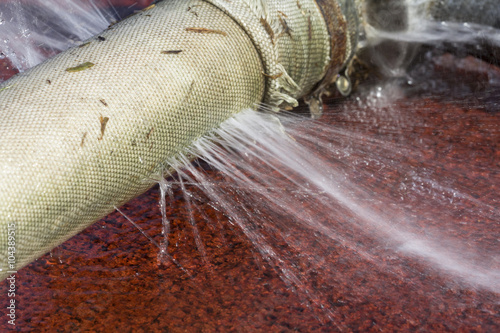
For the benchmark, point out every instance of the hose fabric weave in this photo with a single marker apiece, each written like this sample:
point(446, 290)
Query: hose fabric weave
point(92, 127)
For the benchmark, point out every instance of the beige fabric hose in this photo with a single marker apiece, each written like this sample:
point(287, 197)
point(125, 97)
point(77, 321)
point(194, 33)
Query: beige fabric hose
point(91, 128)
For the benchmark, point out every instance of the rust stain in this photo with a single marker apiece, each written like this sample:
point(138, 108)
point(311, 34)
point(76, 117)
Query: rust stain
point(282, 14)
point(273, 77)
point(206, 31)
point(268, 28)
point(104, 122)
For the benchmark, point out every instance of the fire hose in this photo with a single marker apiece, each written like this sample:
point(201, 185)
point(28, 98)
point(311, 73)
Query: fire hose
point(93, 127)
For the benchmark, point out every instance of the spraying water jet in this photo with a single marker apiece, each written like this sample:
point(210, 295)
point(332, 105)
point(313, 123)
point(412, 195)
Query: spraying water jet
point(348, 195)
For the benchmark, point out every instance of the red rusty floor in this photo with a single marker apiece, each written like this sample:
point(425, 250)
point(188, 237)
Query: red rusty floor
point(108, 278)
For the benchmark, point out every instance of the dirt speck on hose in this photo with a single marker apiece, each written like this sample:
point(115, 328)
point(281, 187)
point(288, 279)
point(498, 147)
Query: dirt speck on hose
point(83, 139)
point(286, 29)
point(148, 8)
point(104, 121)
point(192, 11)
point(149, 133)
point(171, 52)
point(206, 31)
point(84, 44)
point(79, 68)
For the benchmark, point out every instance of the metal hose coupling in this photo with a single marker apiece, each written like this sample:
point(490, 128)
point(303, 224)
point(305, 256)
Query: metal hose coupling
point(303, 45)
point(93, 127)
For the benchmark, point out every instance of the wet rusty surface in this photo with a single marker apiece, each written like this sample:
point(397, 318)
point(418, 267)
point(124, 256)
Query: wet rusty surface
point(108, 277)
point(6, 68)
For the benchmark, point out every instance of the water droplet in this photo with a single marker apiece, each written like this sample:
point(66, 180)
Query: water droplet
point(343, 85)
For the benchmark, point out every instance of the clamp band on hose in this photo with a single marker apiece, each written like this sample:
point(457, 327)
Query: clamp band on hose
point(293, 41)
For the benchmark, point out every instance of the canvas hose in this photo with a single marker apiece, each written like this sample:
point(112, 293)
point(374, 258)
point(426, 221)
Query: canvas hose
point(91, 128)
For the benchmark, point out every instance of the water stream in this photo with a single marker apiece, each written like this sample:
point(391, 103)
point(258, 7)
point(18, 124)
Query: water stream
point(382, 176)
